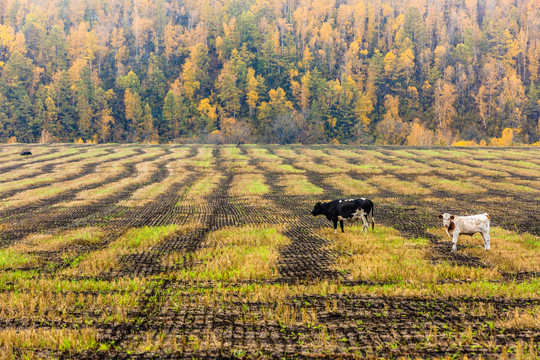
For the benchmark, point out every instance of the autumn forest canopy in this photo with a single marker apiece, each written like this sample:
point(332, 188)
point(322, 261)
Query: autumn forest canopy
point(411, 72)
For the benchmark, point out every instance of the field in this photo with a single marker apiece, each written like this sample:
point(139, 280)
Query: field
point(196, 251)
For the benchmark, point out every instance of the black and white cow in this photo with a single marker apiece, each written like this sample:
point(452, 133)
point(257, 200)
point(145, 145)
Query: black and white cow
point(349, 210)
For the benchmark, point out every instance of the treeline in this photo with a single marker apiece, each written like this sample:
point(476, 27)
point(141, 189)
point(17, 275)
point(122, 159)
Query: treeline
point(345, 71)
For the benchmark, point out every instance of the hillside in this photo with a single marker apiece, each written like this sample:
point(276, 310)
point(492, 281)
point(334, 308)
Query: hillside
point(348, 71)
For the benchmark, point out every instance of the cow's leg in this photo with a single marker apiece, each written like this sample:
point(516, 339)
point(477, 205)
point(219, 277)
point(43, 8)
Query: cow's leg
point(365, 224)
point(454, 240)
point(341, 224)
point(485, 237)
point(335, 226)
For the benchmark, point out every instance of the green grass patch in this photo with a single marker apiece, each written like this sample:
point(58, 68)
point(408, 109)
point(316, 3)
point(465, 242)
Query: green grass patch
point(249, 184)
point(451, 186)
point(262, 154)
point(232, 153)
point(12, 259)
point(299, 185)
point(230, 254)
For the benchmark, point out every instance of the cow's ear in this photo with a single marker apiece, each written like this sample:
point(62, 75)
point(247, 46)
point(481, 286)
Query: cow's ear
point(440, 216)
point(451, 217)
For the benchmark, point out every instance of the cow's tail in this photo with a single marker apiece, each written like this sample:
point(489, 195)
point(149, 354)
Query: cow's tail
point(372, 218)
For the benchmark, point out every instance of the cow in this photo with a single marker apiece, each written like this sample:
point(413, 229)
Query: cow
point(26, 153)
point(466, 225)
point(348, 210)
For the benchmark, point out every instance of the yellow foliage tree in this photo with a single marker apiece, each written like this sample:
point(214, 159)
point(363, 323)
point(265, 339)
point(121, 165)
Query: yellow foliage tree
point(465, 143)
point(419, 135)
point(208, 113)
point(506, 139)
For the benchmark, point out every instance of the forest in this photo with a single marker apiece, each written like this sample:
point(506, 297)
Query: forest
point(403, 72)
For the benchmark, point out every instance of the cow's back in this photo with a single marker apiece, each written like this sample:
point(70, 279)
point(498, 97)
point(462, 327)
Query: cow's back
point(472, 223)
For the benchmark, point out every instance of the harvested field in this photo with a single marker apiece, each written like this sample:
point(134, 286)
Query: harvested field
point(196, 251)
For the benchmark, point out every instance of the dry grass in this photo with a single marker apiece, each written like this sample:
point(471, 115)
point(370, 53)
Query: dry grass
point(58, 306)
point(450, 169)
point(203, 187)
point(484, 168)
point(50, 242)
point(465, 186)
point(307, 164)
point(239, 166)
point(144, 172)
point(19, 173)
point(278, 292)
point(285, 152)
point(384, 255)
point(312, 153)
point(281, 168)
point(351, 186)
point(520, 163)
point(248, 184)
point(233, 153)
point(176, 174)
point(510, 252)
point(134, 240)
point(158, 341)
point(412, 168)
point(39, 154)
point(395, 185)
point(299, 185)
point(37, 285)
point(262, 154)
point(360, 168)
point(346, 154)
point(103, 172)
point(62, 169)
point(21, 184)
point(29, 340)
point(230, 254)
point(535, 184)
point(203, 160)
point(508, 184)
point(521, 319)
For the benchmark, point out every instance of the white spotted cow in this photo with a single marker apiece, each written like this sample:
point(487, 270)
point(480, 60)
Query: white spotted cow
point(466, 225)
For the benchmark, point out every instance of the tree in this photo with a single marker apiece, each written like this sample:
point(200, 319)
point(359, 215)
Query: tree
point(252, 96)
point(208, 116)
point(133, 113)
point(105, 123)
point(419, 135)
point(175, 115)
point(51, 116)
point(284, 129)
point(392, 130)
point(146, 131)
point(276, 107)
point(445, 96)
point(229, 93)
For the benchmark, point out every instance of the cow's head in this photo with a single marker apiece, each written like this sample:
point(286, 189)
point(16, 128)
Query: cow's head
point(446, 219)
point(318, 209)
